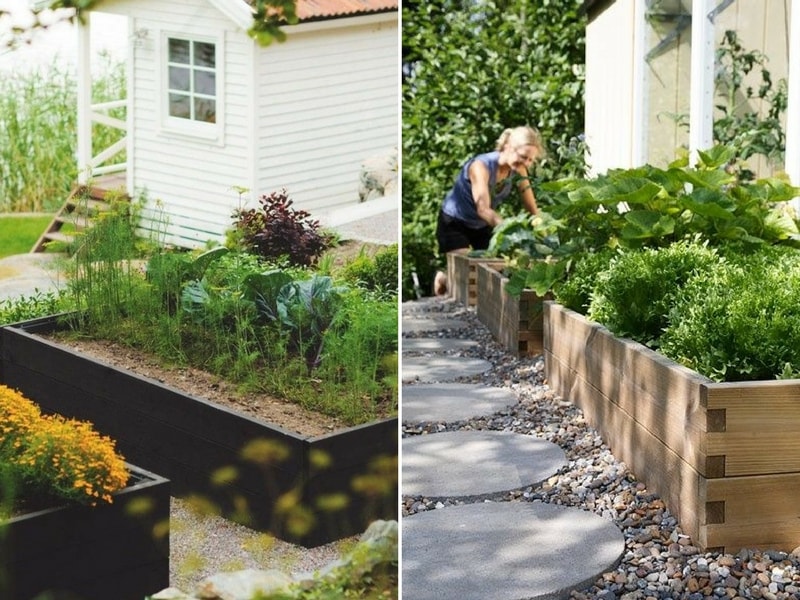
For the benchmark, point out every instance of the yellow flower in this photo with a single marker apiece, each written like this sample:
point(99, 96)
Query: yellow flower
point(65, 456)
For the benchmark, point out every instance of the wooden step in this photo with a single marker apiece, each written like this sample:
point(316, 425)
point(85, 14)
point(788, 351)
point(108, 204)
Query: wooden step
point(83, 204)
point(78, 220)
point(57, 236)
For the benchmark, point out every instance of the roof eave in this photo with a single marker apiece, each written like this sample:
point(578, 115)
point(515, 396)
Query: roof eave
point(237, 11)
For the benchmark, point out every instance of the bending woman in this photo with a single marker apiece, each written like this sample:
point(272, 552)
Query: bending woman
point(468, 216)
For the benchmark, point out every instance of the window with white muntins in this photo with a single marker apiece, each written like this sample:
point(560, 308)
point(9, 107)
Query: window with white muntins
point(192, 85)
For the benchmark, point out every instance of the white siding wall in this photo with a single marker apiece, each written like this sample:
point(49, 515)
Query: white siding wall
point(326, 101)
point(188, 181)
point(609, 87)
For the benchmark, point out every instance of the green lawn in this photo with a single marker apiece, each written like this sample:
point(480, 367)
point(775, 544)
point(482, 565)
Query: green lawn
point(19, 234)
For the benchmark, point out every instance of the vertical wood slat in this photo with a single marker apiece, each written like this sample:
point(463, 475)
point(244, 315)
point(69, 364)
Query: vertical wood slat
point(516, 322)
point(462, 276)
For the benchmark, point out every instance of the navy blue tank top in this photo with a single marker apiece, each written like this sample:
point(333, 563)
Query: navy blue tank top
point(459, 202)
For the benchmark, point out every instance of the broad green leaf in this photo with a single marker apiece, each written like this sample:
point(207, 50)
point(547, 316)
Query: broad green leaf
point(709, 203)
point(642, 224)
point(717, 156)
point(631, 191)
point(201, 263)
point(709, 179)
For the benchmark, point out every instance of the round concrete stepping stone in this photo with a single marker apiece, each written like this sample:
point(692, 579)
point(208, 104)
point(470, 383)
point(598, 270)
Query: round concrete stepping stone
point(430, 369)
point(436, 344)
point(506, 550)
point(476, 463)
point(427, 304)
point(431, 323)
point(444, 402)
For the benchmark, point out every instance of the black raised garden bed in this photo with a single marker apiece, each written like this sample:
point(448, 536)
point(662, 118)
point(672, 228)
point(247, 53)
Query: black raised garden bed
point(91, 552)
point(187, 439)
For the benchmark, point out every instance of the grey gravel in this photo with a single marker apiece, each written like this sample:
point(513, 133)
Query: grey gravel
point(661, 560)
point(202, 545)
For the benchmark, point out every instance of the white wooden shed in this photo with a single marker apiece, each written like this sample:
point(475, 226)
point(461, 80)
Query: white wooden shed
point(211, 111)
point(650, 60)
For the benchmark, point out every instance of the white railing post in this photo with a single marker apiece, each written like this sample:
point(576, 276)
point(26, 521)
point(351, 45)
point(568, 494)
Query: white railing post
point(84, 66)
point(792, 159)
point(701, 101)
point(639, 141)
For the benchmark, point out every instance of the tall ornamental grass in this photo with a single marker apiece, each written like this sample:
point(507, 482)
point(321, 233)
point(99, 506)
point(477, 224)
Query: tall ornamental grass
point(38, 124)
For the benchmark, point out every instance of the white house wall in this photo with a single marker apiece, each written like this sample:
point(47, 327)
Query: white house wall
point(326, 101)
point(609, 87)
point(187, 182)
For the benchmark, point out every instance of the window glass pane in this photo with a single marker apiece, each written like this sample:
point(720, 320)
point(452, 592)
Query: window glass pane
point(204, 55)
point(205, 110)
point(205, 83)
point(179, 51)
point(179, 106)
point(179, 79)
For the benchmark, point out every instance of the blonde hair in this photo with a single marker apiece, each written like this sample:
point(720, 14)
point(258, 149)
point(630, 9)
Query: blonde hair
point(524, 135)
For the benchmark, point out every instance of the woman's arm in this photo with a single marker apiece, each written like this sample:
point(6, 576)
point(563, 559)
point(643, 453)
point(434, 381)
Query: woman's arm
point(526, 191)
point(479, 179)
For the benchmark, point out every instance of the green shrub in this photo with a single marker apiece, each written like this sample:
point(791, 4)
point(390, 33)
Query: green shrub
point(33, 306)
point(577, 290)
point(634, 297)
point(376, 273)
point(740, 321)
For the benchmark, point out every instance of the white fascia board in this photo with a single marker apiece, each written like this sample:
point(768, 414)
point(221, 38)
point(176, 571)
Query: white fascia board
point(237, 11)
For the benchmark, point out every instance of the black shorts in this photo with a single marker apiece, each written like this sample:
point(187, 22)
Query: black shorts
point(453, 234)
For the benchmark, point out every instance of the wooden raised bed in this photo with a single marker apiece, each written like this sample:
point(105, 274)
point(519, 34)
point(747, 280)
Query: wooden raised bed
point(91, 553)
point(462, 276)
point(725, 457)
point(516, 322)
point(187, 439)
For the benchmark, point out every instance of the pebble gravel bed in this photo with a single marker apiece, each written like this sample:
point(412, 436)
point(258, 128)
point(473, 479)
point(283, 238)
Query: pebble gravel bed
point(205, 544)
point(660, 561)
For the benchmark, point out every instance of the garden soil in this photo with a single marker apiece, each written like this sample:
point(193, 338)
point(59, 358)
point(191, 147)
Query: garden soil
point(282, 413)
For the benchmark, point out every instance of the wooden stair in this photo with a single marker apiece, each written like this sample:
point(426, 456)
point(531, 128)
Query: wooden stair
point(81, 208)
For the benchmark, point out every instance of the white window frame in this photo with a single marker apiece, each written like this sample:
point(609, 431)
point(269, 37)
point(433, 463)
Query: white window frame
point(178, 126)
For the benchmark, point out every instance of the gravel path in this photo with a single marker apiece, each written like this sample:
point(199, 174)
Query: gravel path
point(202, 545)
point(661, 561)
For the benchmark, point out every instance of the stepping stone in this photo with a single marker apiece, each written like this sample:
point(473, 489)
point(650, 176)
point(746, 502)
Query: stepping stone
point(431, 323)
point(428, 304)
point(436, 344)
point(447, 402)
point(476, 463)
point(508, 550)
point(430, 369)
